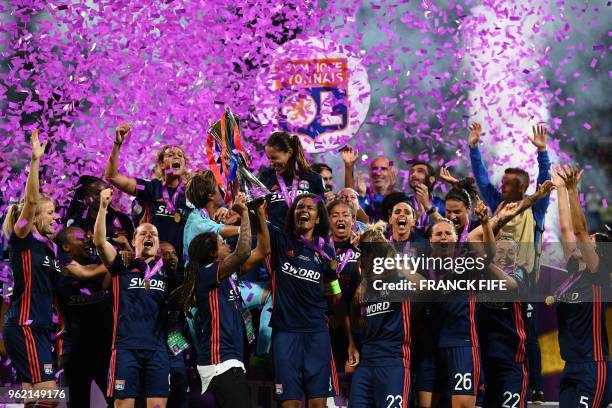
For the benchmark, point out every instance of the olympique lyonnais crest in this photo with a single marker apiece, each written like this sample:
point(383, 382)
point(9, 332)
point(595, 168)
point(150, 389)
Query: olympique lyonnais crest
point(316, 89)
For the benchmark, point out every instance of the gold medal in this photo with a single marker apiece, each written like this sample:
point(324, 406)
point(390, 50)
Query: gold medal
point(147, 284)
point(334, 264)
point(177, 217)
point(549, 300)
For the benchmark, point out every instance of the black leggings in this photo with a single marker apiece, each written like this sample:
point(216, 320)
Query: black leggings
point(231, 389)
point(80, 369)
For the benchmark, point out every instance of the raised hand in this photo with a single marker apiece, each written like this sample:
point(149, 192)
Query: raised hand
point(475, 134)
point(239, 204)
point(121, 133)
point(540, 132)
point(349, 155)
point(509, 211)
point(544, 189)
point(38, 149)
point(571, 176)
point(481, 211)
point(355, 237)
point(361, 185)
point(221, 215)
point(422, 196)
point(447, 177)
point(106, 196)
point(556, 178)
point(330, 196)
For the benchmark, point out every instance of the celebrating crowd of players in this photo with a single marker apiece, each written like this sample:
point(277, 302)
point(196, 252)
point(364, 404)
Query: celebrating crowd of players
point(195, 271)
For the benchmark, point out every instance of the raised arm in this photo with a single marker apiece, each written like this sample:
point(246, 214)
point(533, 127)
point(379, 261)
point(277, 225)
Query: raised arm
point(23, 226)
point(84, 272)
point(572, 177)
point(490, 194)
point(123, 183)
point(486, 236)
point(106, 251)
point(539, 140)
point(263, 248)
point(232, 263)
point(568, 240)
point(349, 157)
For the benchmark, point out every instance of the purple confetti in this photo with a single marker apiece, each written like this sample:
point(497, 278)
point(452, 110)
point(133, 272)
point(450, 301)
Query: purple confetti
point(587, 125)
point(85, 291)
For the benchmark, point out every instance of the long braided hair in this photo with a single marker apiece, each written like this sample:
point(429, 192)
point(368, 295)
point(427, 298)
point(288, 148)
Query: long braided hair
point(202, 251)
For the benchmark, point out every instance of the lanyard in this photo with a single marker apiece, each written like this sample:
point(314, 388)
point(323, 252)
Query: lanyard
point(406, 249)
point(316, 248)
point(465, 232)
point(347, 256)
point(171, 204)
point(294, 187)
point(46, 242)
point(152, 271)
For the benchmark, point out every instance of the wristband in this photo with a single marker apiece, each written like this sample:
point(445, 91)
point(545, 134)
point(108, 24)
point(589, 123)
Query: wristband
point(431, 210)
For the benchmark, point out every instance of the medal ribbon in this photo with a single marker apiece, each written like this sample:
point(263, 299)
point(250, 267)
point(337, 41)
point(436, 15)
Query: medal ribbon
point(319, 248)
point(347, 256)
point(171, 204)
point(152, 271)
point(283, 186)
point(45, 241)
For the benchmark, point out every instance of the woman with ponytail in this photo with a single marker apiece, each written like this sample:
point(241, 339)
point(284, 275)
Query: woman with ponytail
point(210, 284)
point(288, 176)
point(30, 227)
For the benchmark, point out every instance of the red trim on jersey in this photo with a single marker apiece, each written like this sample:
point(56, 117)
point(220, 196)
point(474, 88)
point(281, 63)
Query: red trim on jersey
point(597, 341)
point(26, 261)
point(524, 386)
point(600, 389)
point(32, 354)
point(272, 280)
point(213, 301)
point(406, 391)
point(519, 325)
point(476, 363)
point(473, 334)
point(60, 341)
point(111, 375)
point(115, 308)
point(334, 373)
point(406, 342)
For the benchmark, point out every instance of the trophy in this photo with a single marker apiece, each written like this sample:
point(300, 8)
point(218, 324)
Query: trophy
point(225, 133)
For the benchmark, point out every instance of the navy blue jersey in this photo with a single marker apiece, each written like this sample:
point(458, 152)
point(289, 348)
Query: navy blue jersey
point(387, 334)
point(35, 273)
point(298, 277)
point(347, 275)
point(582, 319)
point(502, 325)
point(457, 326)
point(220, 312)
point(277, 208)
point(155, 210)
point(85, 311)
point(139, 309)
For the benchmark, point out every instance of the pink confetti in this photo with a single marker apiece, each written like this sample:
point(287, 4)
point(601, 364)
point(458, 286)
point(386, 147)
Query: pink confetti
point(587, 125)
point(604, 203)
point(85, 291)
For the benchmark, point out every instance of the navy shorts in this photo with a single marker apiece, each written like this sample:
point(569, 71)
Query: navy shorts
point(31, 353)
point(139, 373)
point(507, 384)
point(457, 370)
point(380, 387)
point(425, 375)
point(586, 385)
point(303, 365)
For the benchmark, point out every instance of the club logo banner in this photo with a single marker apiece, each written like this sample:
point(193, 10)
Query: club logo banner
point(316, 89)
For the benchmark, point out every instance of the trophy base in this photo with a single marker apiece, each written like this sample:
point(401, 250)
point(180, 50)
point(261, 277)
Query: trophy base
point(255, 203)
